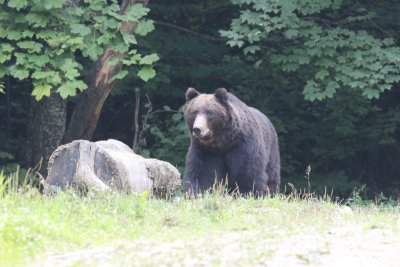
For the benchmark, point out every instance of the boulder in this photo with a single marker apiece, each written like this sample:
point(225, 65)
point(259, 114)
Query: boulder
point(109, 165)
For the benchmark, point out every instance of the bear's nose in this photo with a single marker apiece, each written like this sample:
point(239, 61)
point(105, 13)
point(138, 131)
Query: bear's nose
point(196, 131)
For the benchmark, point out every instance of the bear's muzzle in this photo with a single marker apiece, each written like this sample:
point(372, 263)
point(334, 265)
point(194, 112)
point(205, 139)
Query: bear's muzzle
point(200, 129)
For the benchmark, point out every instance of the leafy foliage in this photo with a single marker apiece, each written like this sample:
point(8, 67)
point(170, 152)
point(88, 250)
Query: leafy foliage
point(329, 37)
point(40, 41)
point(171, 139)
point(349, 140)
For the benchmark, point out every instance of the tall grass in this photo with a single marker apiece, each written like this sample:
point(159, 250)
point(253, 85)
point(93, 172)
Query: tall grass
point(33, 226)
point(18, 181)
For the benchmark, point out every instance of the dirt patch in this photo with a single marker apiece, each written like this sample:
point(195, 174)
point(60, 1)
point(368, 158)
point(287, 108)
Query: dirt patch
point(339, 247)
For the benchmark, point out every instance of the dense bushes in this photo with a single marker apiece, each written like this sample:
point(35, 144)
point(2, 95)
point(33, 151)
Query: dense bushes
point(348, 140)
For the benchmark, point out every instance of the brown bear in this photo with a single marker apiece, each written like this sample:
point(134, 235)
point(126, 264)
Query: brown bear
point(231, 143)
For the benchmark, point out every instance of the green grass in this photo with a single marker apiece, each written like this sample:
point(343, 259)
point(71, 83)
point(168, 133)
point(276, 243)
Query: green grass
point(33, 226)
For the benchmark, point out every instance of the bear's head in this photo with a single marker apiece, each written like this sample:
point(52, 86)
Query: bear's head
point(207, 116)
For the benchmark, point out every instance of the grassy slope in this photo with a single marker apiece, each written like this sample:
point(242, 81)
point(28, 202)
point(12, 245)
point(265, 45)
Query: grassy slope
point(33, 227)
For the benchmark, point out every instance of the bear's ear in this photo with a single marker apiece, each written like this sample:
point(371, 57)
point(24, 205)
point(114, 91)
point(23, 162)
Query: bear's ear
point(222, 95)
point(191, 93)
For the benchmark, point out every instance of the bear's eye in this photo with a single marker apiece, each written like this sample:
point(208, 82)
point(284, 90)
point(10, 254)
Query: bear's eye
point(193, 114)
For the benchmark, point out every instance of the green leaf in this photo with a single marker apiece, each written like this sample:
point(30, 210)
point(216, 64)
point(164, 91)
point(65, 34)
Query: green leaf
point(93, 51)
point(111, 23)
point(41, 90)
point(31, 46)
point(132, 60)
point(120, 75)
point(371, 93)
point(51, 77)
point(117, 16)
point(7, 48)
point(28, 34)
point(80, 85)
point(149, 59)
point(49, 4)
point(17, 4)
point(251, 49)
point(119, 46)
point(146, 73)
point(136, 11)
point(39, 60)
point(4, 71)
point(331, 88)
point(80, 29)
point(291, 33)
point(144, 27)
point(66, 90)
point(70, 69)
point(20, 59)
point(321, 74)
point(95, 5)
point(37, 20)
point(311, 90)
point(19, 72)
point(14, 35)
point(103, 39)
point(129, 38)
point(69, 88)
point(4, 57)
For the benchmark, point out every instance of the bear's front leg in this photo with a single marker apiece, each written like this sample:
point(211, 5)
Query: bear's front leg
point(246, 165)
point(202, 170)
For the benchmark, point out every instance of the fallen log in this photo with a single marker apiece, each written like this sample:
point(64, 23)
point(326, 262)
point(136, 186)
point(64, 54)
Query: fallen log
point(108, 165)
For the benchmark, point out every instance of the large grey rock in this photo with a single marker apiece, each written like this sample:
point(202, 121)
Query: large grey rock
point(109, 165)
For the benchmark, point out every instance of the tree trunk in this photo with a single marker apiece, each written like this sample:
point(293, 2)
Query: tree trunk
point(46, 129)
point(87, 110)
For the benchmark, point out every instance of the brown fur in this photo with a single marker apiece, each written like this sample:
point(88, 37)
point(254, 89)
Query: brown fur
point(234, 140)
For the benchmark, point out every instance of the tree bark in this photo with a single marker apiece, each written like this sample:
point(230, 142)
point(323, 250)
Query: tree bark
point(87, 110)
point(135, 146)
point(46, 129)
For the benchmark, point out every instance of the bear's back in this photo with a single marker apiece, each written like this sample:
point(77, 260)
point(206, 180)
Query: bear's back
point(267, 129)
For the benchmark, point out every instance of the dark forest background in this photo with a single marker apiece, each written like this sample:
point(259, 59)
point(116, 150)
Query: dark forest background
point(349, 138)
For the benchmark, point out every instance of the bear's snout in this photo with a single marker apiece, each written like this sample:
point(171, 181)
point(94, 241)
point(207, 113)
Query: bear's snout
point(200, 127)
point(196, 131)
